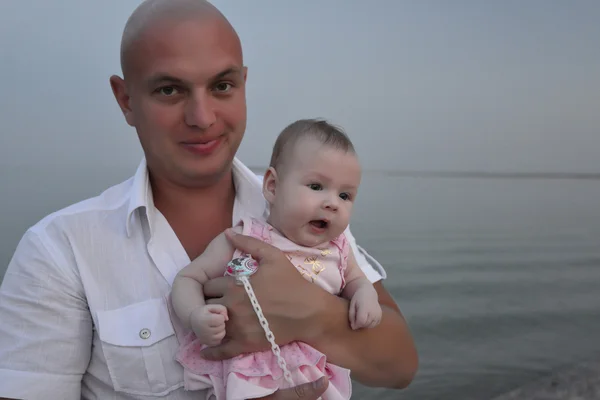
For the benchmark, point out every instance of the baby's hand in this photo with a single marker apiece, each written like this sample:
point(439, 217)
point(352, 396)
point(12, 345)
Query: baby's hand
point(365, 310)
point(208, 323)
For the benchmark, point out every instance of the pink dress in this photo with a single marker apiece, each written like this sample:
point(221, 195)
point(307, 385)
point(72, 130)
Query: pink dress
point(256, 375)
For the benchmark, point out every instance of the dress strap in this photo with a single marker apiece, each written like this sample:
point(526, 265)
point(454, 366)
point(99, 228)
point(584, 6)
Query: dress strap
point(256, 229)
point(341, 242)
point(260, 231)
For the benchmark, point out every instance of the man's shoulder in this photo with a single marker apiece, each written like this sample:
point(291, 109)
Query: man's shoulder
point(242, 170)
point(87, 211)
point(248, 190)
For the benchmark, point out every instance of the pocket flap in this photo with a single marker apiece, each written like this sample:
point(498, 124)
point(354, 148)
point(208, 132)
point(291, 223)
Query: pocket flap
point(140, 324)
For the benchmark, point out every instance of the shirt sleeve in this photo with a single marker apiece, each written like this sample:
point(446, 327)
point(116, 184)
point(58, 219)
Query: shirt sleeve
point(46, 329)
point(369, 265)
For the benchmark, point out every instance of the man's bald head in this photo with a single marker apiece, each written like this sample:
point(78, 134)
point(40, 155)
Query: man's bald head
point(152, 12)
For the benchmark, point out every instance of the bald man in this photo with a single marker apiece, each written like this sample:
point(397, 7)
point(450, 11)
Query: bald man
point(83, 303)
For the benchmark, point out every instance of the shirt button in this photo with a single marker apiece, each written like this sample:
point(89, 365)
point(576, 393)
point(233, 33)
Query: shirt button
point(145, 333)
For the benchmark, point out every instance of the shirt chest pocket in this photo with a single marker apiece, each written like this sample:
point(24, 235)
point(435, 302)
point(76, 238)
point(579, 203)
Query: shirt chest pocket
point(139, 344)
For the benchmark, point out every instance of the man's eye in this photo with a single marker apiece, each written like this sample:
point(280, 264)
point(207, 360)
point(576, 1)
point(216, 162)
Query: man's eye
point(345, 196)
point(315, 186)
point(223, 87)
point(167, 91)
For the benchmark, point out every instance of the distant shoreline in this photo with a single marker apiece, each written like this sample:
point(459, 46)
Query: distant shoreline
point(476, 174)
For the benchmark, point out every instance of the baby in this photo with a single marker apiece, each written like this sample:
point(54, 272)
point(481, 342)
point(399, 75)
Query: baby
point(310, 186)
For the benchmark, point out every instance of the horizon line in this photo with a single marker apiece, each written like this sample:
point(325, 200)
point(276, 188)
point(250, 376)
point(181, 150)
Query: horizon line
point(457, 174)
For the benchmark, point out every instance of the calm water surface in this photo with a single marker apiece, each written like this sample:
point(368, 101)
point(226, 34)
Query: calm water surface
point(499, 279)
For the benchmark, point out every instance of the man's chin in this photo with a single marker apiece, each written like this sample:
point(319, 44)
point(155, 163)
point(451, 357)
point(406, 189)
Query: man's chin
point(208, 174)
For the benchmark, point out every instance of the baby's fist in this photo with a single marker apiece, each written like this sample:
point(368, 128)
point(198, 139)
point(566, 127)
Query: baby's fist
point(365, 310)
point(208, 323)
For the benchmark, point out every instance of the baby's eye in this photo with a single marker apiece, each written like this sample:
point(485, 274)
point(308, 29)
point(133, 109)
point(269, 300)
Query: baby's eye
point(345, 196)
point(315, 186)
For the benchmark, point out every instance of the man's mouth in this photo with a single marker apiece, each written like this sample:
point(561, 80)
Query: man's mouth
point(203, 141)
point(204, 147)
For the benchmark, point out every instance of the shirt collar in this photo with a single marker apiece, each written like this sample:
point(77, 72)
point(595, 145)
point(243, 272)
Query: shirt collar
point(249, 200)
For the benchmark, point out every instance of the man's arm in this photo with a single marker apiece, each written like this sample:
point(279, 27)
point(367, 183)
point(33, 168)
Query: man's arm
point(375, 273)
point(46, 329)
point(298, 310)
point(382, 356)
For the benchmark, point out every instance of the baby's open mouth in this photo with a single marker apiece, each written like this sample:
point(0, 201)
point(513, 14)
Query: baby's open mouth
point(319, 223)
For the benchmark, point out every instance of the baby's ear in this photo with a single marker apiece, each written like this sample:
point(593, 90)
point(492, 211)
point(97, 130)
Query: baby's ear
point(270, 185)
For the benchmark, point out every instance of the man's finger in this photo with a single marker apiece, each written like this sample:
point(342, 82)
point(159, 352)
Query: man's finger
point(306, 391)
point(216, 287)
point(223, 351)
point(216, 300)
point(352, 314)
point(258, 249)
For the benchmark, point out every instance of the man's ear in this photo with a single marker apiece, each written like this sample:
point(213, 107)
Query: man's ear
point(119, 88)
point(270, 185)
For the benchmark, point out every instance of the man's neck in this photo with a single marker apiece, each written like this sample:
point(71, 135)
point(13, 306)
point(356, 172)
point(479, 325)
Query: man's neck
point(196, 214)
point(169, 197)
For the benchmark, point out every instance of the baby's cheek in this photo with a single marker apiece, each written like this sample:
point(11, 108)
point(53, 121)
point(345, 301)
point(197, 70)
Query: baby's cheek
point(348, 211)
point(345, 220)
point(301, 206)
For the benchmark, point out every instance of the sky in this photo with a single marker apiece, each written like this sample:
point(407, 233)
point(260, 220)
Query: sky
point(464, 85)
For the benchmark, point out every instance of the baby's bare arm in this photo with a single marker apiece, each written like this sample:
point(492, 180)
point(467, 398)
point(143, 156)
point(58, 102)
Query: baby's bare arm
point(365, 310)
point(187, 293)
point(355, 279)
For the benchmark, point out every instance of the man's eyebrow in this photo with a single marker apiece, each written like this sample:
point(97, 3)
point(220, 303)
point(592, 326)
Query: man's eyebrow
point(228, 71)
point(165, 78)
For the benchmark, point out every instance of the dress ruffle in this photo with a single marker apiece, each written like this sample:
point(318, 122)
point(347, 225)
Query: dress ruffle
point(256, 375)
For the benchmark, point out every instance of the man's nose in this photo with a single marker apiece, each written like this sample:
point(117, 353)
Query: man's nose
point(200, 112)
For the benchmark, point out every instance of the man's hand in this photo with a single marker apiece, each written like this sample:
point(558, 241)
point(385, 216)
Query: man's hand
point(365, 310)
point(298, 310)
point(208, 323)
point(306, 391)
point(288, 301)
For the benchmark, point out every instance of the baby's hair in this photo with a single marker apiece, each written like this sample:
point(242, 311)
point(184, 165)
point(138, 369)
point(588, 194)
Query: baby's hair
point(326, 133)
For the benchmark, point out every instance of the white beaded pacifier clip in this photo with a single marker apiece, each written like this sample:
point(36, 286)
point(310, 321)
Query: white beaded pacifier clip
point(241, 268)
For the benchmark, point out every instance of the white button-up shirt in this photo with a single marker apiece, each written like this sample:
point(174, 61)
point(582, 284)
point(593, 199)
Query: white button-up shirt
point(83, 304)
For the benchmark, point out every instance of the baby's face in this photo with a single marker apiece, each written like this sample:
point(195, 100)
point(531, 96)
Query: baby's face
point(315, 193)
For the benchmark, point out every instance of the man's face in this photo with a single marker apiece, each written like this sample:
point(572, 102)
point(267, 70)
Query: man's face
point(184, 92)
